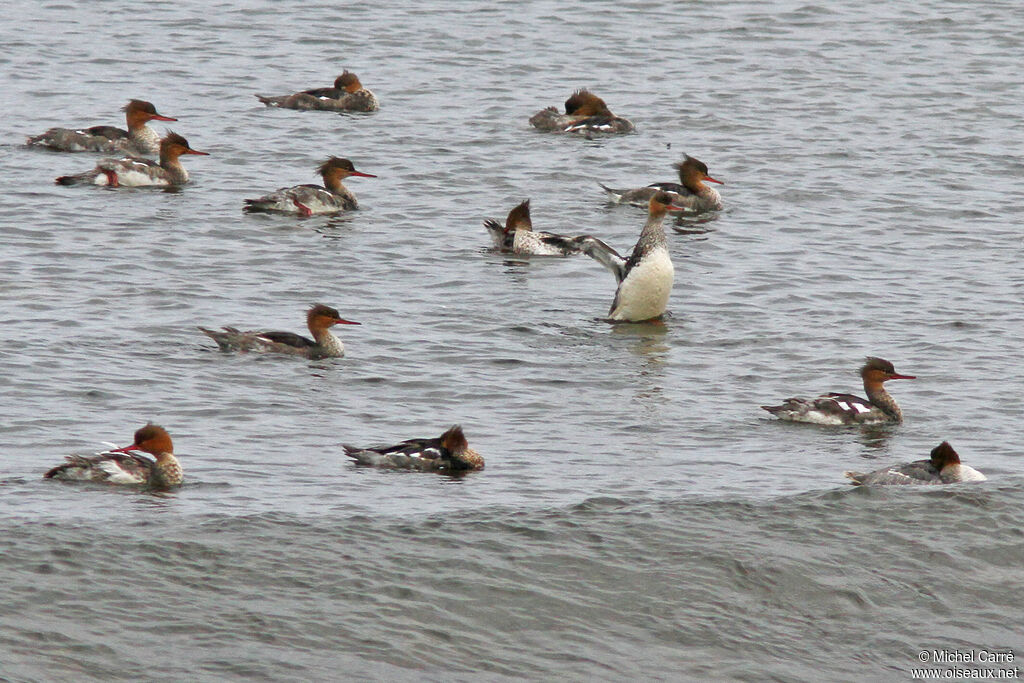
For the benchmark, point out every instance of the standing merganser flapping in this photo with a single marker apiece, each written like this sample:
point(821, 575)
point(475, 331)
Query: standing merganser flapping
point(319, 320)
point(307, 200)
point(585, 114)
point(135, 172)
point(450, 452)
point(348, 94)
point(518, 236)
point(121, 466)
point(138, 140)
point(846, 409)
point(944, 467)
point(689, 192)
point(645, 278)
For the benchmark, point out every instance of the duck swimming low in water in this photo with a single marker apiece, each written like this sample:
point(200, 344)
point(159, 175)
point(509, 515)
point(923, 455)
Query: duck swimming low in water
point(136, 172)
point(348, 94)
point(307, 200)
point(319, 320)
point(138, 140)
point(517, 236)
point(847, 409)
point(943, 467)
point(121, 466)
point(585, 114)
point(690, 192)
point(449, 453)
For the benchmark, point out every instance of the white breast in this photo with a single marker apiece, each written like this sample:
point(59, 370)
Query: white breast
point(961, 472)
point(644, 293)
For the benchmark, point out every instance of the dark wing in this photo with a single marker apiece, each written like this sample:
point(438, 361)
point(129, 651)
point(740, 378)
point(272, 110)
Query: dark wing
point(288, 339)
point(672, 187)
point(330, 93)
point(565, 243)
point(111, 132)
point(429, 449)
point(917, 472)
point(843, 404)
point(605, 255)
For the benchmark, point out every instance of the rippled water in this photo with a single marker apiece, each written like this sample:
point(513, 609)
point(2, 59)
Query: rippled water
point(639, 515)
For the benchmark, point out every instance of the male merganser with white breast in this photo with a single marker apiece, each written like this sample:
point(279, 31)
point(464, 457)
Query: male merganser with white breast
point(944, 467)
point(138, 140)
point(319, 320)
point(135, 172)
point(690, 192)
point(847, 409)
point(585, 114)
point(645, 278)
point(517, 236)
point(121, 466)
point(348, 94)
point(448, 453)
point(307, 200)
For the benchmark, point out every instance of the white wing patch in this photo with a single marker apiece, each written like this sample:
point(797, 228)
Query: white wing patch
point(118, 475)
point(855, 407)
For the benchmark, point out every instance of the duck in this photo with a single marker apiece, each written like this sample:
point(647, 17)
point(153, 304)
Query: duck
point(585, 114)
point(645, 277)
point(943, 467)
point(449, 453)
point(307, 200)
point(846, 409)
point(121, 466)
point(319, 320)
point(690, 192)
point(517, 236)
point(138, 140)
point(137, 172)
point(348, 94)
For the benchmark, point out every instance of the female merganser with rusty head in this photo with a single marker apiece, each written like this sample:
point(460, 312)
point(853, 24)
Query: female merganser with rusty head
point(944, 467)
point(846, 409)
point(645, 278)
point(518, 237)
point(138, 140)
point(450, 452)
point(121, 466)
point(348, 94)
point(135, 172)
point(307, 200)
point(690, 192)
point(319, 320)
point(585, 114)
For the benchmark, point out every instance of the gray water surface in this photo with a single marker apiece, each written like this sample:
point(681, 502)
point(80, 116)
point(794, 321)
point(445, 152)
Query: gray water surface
point(639, 516)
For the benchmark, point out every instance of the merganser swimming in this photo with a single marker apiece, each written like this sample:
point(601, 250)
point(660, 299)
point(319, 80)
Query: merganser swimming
point(307, 200)
point(135, 172)
point(138, 140)
point(846, 409)
point(121, 466)
point(944, 467)
point(518, 236)
point(319, 320)
point(645, 278)
point(450, 452)
point(692, 193)
point(348, 94)
point(585, 114)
